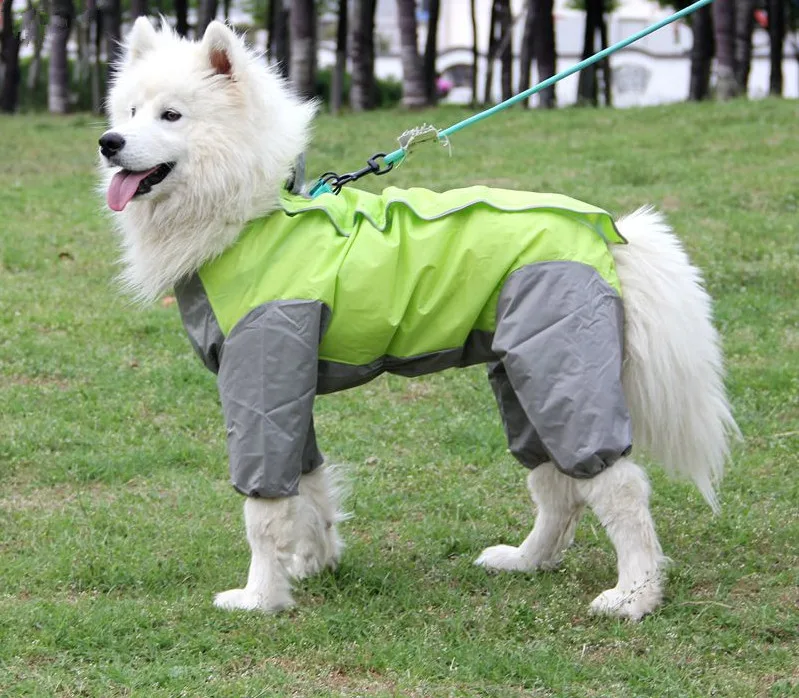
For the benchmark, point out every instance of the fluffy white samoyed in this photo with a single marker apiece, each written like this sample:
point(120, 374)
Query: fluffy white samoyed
point(203, 138)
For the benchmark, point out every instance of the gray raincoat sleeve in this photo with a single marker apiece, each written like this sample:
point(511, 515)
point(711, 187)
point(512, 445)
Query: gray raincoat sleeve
point(267, 383)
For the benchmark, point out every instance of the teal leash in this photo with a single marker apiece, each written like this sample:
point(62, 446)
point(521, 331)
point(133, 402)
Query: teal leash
point(382, 163)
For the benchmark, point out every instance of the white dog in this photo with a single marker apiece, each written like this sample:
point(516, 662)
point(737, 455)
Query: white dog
point(203, 138)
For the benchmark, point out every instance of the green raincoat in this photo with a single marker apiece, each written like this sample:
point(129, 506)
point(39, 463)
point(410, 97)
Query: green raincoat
point(327, 293)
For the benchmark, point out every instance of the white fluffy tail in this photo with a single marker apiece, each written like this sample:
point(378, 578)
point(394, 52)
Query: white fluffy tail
point(673, 368)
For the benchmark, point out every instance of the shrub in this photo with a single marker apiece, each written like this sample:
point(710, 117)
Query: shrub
point(389, 92)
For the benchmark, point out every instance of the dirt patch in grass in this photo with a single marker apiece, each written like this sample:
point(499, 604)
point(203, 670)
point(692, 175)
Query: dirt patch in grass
point(22, 496)
point(419, 390)
point(307, 678)
point(37, 382)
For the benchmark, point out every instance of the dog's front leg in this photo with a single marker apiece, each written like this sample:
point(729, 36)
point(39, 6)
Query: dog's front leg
point(271, 531)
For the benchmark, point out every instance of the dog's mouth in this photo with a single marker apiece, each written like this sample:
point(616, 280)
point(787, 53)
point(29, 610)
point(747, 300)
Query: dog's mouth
point(126, 184)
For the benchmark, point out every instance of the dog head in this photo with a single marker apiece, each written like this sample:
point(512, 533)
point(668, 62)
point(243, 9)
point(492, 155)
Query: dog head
point(205, 126)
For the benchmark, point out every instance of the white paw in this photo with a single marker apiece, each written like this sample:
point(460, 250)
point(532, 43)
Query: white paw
point(244, 600)
point(503, 557)
point(625, 603)
point(302, 566)
point(310, 560)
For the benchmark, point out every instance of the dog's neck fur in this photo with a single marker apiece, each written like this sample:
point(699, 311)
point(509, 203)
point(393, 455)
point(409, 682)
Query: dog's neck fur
point(164, 242)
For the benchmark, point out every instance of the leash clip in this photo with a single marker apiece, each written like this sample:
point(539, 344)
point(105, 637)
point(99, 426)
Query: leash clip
point(374, 165)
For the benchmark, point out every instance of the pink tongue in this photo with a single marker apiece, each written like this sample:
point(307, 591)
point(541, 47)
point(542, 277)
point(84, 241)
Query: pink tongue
point(123, 188)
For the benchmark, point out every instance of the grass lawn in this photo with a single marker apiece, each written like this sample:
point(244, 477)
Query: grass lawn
point(117, 523)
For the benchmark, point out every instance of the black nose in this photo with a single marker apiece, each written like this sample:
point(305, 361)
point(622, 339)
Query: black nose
point(111, 143)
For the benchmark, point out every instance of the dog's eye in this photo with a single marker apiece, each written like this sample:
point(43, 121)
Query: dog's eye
point(133, 111)
point(170, 115)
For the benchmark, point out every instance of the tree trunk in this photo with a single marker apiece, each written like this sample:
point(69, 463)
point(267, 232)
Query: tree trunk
point(701, 54)
point(587, 83)
point(431, 53)
point(363, 89)
point(138, 8)
point(475, 52)
point(36, 31)
point(226, 9)
point(61, 15)
point(724, 28)
point(413, 87)
point(112, 21)
point(277, 26)
point(744, 26)
point(506, 50)
point(493, 41)
point(182, 17)
point(776, 35)
point(526, 50)
point(80, 67)
point(340, 69)
point(544, 44)
point(206, 13)
point(11, 41)
point(93, 51)
point(98, 61)
point(302, 35)
point(607, 76)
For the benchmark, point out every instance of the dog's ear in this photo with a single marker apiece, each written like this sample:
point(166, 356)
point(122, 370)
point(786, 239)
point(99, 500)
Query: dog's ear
point(141, 39)
point(222, 47)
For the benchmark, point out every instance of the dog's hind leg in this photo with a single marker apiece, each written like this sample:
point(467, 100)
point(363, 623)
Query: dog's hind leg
point(271, 533)
point(619, 496)
point(559, 509)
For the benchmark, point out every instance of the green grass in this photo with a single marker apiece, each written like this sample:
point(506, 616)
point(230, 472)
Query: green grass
point(117, 525)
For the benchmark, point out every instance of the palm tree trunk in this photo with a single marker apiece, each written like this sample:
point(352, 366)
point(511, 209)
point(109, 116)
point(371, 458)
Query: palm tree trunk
point(506, 52)
point(544, 44)
point(475, 51)
point(93, 50)
point(138, 8)
point(277, 27)
point(724, 27)
point(340, 69)
point(97, 99)
point(80, 68)
point(413, 87)
point(36, 31)
point(431, 53)
point(607, 75)
point(701, 54)
point(744, 26)
point(302, 35)
point(776, 35)
point(9, 52)
point(112, 30)
point(526, 49)
point(587, 82)
point(61, 15)
point(206, 13)
point(362, 90)
point(493, 40)
point(182, 17)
